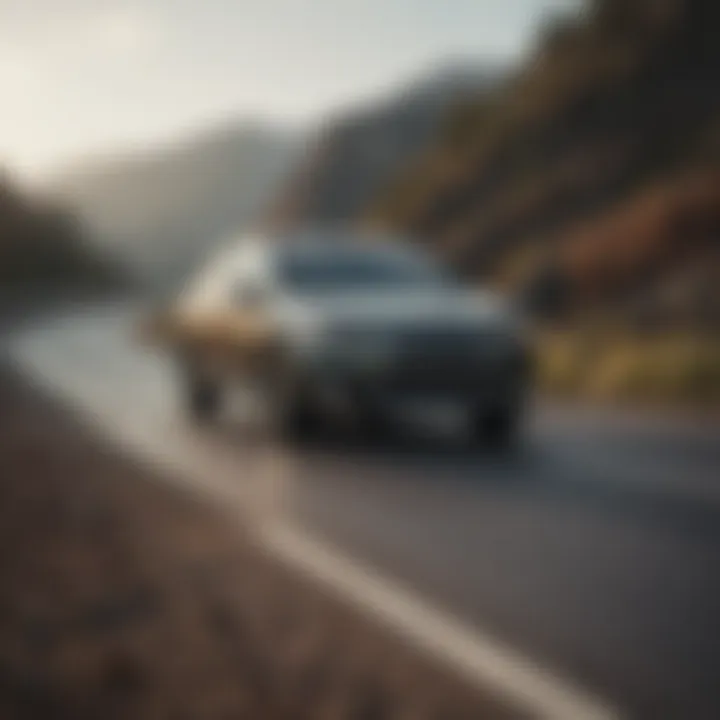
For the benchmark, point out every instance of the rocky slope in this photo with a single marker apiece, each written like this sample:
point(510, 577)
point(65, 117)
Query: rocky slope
point(355, 156)
point(590, 179)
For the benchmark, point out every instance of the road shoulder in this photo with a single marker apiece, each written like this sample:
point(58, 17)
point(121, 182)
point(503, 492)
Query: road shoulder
point(123, 596)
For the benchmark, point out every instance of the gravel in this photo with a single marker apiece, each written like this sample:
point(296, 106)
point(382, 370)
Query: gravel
point(121, 597)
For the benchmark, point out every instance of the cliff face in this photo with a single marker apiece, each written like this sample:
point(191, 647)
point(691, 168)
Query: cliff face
point(357, 155)
point(594, 170)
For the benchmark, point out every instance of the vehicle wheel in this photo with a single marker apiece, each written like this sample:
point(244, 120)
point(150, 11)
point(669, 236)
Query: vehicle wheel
point(203, 398)
point(292, 416)
point(497, 428)
point(299, 422)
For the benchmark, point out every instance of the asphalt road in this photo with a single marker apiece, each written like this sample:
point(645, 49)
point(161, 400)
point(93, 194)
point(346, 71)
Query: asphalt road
point(594, 549)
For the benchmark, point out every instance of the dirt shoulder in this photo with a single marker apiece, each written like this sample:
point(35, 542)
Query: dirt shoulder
point(120, 597)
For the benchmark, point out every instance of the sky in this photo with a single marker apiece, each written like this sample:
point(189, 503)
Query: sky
point(84, 76)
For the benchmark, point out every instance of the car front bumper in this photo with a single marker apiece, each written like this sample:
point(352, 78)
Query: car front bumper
point(430, 379)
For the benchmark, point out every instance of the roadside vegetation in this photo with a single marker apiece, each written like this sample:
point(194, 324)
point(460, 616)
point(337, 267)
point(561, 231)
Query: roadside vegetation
point(613, 366)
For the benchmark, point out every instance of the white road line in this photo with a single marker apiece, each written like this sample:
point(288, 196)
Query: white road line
point(479, 658)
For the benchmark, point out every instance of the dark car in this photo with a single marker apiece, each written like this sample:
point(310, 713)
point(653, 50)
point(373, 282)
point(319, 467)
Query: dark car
point(338, 326)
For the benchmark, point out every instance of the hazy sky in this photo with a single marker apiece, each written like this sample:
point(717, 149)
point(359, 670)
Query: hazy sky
point(78, 76)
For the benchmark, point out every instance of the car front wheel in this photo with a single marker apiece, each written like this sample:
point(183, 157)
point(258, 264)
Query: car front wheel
point(203, 397)
point(497, 428)
point(292, 415)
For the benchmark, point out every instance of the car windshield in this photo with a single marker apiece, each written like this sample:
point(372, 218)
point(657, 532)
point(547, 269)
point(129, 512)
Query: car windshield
point(310, 271)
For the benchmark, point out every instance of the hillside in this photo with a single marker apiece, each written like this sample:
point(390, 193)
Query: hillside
point(42, 245)
point(355, 155)
point(590, 179)
point(165, 209)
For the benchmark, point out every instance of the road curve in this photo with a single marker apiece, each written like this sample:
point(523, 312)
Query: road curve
point(594, 548)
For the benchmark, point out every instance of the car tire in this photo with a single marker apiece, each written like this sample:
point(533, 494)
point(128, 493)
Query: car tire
point(497, 428)
point(293, 417)
point(203, 398)
point(299, 422)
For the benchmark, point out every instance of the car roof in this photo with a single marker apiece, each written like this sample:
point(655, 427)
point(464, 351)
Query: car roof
point(268, 250)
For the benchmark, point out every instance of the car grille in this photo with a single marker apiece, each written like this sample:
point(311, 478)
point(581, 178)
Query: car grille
point(439, 342)
point(441, 361)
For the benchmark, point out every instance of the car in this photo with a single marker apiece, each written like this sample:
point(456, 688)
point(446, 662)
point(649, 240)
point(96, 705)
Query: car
point(325, 326)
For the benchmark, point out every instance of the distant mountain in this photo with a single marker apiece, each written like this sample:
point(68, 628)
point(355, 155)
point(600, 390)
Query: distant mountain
point(164, 210)
point(357, 155)
point(590, 179)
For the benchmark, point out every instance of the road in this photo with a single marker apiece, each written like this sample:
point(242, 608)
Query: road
point(594, 549)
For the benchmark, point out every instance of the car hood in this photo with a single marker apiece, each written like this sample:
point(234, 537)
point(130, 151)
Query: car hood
point(396, 311)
